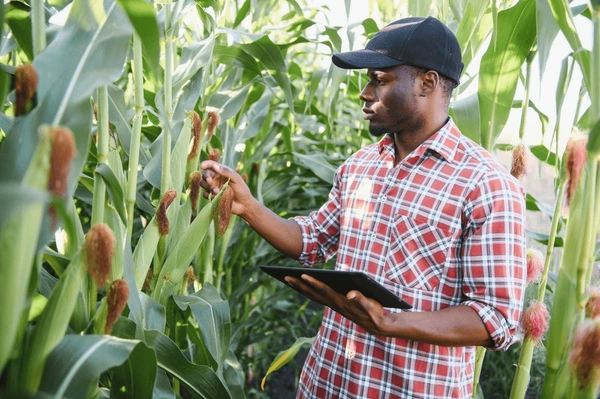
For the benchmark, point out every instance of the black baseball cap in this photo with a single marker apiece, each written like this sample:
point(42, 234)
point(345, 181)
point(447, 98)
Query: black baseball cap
point(415, 41)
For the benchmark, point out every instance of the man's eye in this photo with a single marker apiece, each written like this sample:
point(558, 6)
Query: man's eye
point(380, 82)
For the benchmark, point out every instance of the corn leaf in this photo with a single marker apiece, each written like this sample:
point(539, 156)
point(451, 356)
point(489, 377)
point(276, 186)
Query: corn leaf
point(182, 254)
point(465, 113)
point(500, 68)
point(286, 356)
point(318, 164)
point(593, 144)
point(52, 324)
point(115, 191)
point(144, 252)
point(470, 21)
point(18, 19)
point(136, 377)
point(270, 56)
point(142, 17)
point(212, 315)
point(15, 198)
point(80, 359)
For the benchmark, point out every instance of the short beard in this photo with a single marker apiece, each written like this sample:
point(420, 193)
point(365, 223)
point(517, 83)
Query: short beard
point(377, 131)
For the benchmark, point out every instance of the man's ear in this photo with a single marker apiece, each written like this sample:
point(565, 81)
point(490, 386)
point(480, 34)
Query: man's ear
point(429, 81)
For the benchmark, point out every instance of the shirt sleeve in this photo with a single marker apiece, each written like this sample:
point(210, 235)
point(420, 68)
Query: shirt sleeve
point(493, 256)
point(320, 229)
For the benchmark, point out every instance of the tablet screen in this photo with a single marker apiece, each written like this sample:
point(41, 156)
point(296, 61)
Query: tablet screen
point(342, 282)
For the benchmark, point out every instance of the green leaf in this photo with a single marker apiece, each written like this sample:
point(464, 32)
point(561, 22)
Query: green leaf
point(228, 103)
point(242, 13)
point(142, 17)
point(80, 359)
point(18, 19)
point(593, 144)
point(183, 252)
point(233, 55)
point(212, 315)
point(465, 113)
point(15, 197)
point(286, 356)
point(534, 204)
point(270, 55)
point(564, 17)
point(201, 381)
point(543, 238)
point(135, 378)
point(547, 29)
point(52, 324)
point(115, 191)
point(119, 117)
point(544, 119)
point(543, 154)
point(499, 71)
point(470, 21)
point(370, 26)
point(318, 164)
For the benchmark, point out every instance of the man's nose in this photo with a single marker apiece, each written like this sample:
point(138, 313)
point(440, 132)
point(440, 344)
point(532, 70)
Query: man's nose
point(367, 94)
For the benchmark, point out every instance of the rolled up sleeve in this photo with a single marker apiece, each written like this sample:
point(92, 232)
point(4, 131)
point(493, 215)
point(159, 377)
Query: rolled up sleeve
point(493, 256)
point(320, 229)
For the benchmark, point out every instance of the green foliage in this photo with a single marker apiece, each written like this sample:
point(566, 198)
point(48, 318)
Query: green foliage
point(200, 318)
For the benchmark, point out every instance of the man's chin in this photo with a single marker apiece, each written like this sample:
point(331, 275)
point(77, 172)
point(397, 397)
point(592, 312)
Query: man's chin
point(377, 131)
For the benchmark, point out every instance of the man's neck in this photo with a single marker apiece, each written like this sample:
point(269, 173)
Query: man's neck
point(406, 142)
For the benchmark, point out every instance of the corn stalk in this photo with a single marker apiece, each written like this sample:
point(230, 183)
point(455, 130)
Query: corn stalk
point(579, 247)
point(38, 26)
point(132, 173)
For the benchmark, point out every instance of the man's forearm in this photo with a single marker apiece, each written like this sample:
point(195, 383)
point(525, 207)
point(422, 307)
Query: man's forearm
point(284, 235)
point(454, 326)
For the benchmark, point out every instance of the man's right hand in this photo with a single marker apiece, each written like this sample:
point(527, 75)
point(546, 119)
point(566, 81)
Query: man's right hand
point(215, 175)
point(285, 235)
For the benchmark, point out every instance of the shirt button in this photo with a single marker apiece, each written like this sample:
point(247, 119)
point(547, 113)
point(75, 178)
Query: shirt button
point(383, 198)
point(373, 236)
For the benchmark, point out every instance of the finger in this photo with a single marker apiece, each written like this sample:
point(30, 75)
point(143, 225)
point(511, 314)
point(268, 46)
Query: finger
point(219, 169)
point(317, 285)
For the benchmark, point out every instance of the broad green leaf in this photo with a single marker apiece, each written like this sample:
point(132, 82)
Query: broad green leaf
point(18, 19)
point(547, 29)
point(318, 164)
point(564, 80)
point(144, 252)
point(134, 300)
point(135, 378)
point(38, 304)
point(162, 386)
point(193, 57)
point(419, 8)
point(52, 324)
point(228, 103)
point(115, 191)
point(271, 57)
point(120, 117)
point(242, 13)
point(183, 252)
point(212, 315)
point(142, 17)
point(499, 71)
point(370, 26)
point(286, 356)
point(543, 154)
point(233, 55)
point(564, 17)
point(593, 144)
point(80, 359)
point(470, 21)
point(154, 313)
point(201, 381)
point(533, 204)
point(543, 238)
point(15, 197)
point(465, 114)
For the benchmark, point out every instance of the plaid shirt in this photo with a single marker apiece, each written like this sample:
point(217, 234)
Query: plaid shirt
point(445, 227)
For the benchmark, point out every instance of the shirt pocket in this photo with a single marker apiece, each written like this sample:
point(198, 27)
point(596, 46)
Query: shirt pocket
point(417, 254)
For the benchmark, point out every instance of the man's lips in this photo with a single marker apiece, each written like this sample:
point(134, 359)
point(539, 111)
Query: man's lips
point(369, 114)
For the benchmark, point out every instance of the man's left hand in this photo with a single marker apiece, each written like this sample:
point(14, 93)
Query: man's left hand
point(365, 312)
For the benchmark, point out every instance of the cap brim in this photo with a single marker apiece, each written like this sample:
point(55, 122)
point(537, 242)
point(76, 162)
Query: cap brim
point(364, 59)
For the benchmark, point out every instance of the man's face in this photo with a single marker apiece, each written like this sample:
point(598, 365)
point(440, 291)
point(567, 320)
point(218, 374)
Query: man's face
point(390, 99)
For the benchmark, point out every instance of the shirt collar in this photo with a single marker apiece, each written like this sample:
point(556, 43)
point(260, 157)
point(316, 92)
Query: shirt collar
point(443, 142)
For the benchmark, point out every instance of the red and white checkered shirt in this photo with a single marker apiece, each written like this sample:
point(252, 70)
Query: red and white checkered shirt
point(445, 227)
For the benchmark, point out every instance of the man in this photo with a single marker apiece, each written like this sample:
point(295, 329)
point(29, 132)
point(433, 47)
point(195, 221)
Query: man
point(426, 212)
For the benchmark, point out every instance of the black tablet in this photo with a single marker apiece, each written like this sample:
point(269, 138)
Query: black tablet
point(342, 282)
